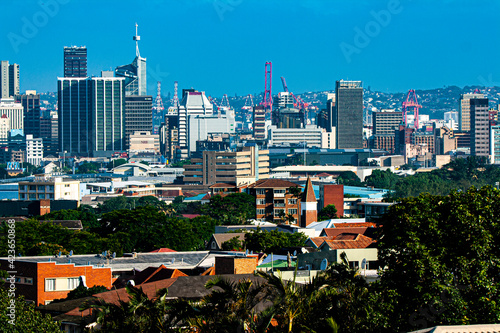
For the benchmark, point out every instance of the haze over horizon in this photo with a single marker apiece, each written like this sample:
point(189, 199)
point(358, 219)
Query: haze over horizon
point(221, 46)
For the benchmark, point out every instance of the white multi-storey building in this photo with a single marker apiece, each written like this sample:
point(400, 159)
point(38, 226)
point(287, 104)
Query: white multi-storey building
point(56, 188)
point(34, 150)
point(4, 127)
point(14, 111)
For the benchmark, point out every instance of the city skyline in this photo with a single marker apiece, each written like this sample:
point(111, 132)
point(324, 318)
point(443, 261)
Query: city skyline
point(221, 46)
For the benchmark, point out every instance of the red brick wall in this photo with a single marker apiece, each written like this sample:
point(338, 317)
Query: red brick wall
point(231, 265)
point(334, 194)
point(308, 217)
point(94, 276)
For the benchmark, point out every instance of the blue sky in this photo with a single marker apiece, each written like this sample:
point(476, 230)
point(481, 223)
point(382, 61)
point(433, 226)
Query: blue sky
point(220, 46)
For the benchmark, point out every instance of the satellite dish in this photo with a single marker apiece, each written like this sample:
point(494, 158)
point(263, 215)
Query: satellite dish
point(363, 263)
point(60, 253)
point(71, 253)
point(324, 264)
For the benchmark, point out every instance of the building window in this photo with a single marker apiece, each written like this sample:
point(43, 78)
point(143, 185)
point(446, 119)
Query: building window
point(260, 211)
point(28, 280)
point(292, 211)
point(260, 191)
point(292, 201)
point(50, 284)
point(261, 201)
point(73, 283)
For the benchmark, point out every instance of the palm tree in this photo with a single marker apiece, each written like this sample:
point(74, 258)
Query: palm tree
point(231, 306)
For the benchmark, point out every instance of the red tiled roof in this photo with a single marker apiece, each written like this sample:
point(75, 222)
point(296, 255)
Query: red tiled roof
point(319, 240)
point(272, 183)
point(222, 185)
point(209, 271)
point(333, 232)
point(324, 174)
point(354, 225)
point(162, 250)
point(150, 289)
point(207, 196)
point(349, 241)
point(308, 195)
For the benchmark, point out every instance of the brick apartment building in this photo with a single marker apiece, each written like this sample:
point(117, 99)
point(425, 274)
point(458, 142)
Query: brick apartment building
point(272, 197)
point(41, 281)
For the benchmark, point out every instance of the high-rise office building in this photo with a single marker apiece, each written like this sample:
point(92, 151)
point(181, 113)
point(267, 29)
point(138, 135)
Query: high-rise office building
point(495, 144)
point(138, 115)
point(49, 132)
point(4, 79)
point(91, 115)
point(464, 116)
point(14, 112)
point(13, 80)
point(479, 127)
point(385, 123)
point(74, 97)
point(259, 122)
point(75, 61)
point(9, 79)
point(193, 103)
point(347, 115)
point(134, 73)
point(108, 111)
point(31, 104)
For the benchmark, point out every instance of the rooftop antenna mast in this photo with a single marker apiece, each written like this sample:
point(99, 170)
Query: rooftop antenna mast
point(137, 38)
point(158, 108)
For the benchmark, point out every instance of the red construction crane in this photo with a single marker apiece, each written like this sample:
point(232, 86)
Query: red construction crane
point(409, 105)
point(299, 103)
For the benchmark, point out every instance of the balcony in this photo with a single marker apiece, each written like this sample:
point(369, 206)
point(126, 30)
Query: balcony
point(279, 195)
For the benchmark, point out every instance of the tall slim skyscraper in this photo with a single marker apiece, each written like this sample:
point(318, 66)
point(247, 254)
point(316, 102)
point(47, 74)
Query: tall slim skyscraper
point(134, 73)
point(31, 104)
point(75, 61)
point(480, 127)
point(138, 115)
point(348, 114)
point(9, 79)
point(108, 115)
point(464, 116)
point(4, 79)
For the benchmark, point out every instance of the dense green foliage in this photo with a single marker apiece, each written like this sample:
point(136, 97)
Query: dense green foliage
point(88, 167)
point(272, 241)
point(327, 213)
point(26, 319)
point(460, 174)
point(83, 213)
point(233, 209)
point(442, 260)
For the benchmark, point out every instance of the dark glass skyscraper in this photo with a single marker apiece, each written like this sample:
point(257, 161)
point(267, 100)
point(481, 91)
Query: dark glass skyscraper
point(347, 115)
point(91, 115)
point(138, 115)
point(31, 105)
point(75, 61)
point(74, 97)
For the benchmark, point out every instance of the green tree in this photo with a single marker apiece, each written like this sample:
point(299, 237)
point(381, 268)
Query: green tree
point(327, 213)
point(235, 208)
point(26, 318)
point(234, 244)
point(441, 260)
point(382, 179)
point(349, 178)
point(271, 241)
point(116, 163)
point(87, 167)
point(81, 292)
point(82, 213)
